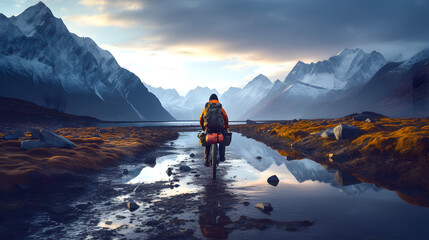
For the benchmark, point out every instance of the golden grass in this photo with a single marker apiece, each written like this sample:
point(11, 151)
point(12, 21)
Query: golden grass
point(91, 153)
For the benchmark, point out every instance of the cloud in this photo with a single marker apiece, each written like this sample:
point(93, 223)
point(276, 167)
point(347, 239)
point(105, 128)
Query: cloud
point(271, 30)
point(100, 20)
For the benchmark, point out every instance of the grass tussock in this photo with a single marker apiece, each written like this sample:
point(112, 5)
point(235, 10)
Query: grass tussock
point(95, 149)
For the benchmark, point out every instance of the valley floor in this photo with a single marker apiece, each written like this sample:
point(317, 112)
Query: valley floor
point(391, 153)
point(96, 148)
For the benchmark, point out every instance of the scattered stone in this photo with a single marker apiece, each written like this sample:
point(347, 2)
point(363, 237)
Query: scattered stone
point(197, 175)
point(53, 140)
point(169, 171)
point(264, 207)
point(132, 206)
point(184, 168)
point(248, 121)
point(328, 133)
point(192, 155)
point(370, 120)
point(108, 222)
point(193, 171)
point(125, 172)
point(273, 180)
point(30, 144)
point(245, 203)
point(35, 133)
point(345, 131)
point(259, 157)
point(361, 117)
point(120, 217)
point(176, 185)
point(96, 135)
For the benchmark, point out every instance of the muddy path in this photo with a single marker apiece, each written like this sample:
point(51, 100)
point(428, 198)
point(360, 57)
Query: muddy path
point(309, 202)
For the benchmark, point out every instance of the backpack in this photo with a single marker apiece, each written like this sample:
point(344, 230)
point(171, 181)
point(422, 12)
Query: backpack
point(213, 118)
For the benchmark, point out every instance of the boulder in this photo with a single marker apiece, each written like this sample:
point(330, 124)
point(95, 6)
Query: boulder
point(30, 144)
point(169, 171)
point(192, 155)
point(184, 168)
point(53, 140)
point(35, 133)
point(264, 207)
point(370, 120)
point(345, 131)
point(273, 180)
point(328, 133)
point(132, 206)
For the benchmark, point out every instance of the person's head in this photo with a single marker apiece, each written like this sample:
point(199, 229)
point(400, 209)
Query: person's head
point(213, 97)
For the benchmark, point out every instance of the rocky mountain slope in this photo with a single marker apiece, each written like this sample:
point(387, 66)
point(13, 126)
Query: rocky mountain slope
point(42, 62)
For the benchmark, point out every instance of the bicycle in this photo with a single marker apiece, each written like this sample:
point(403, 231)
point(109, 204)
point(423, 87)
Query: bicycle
point(213, 158)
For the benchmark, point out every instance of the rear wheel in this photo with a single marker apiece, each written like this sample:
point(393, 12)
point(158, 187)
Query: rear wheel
point(213, 156)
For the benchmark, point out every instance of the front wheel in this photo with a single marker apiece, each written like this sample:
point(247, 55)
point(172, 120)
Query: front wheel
point(213, 156)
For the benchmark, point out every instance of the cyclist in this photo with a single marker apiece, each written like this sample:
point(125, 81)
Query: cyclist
point(213, 119)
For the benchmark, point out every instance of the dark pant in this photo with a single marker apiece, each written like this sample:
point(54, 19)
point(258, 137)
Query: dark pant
point(221, 147)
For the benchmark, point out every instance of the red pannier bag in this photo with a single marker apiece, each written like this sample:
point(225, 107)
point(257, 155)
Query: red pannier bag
point(213, 138)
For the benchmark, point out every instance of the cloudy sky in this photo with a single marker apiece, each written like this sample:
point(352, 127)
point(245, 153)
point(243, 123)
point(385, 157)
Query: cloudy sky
point(223, 43)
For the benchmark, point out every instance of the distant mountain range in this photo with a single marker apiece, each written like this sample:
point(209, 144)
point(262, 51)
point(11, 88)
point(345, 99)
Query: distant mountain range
point(42, 62)
point(351, 81)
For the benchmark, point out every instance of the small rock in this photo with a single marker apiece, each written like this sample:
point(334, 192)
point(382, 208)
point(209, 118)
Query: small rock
point(125, 172)
point(108, 222)
point(120, 217)
point(197, 175)
point(259, 157)
point(30, 144)
point(370, 120)
point(192, 155)
point(245, 203)
point(53, 140)
point(169, 171)
point(184, 168)
point(171, 143)
point(273, 180)
point(265, 207)
point(132, 206)
point(345, 131)
point(176, 185)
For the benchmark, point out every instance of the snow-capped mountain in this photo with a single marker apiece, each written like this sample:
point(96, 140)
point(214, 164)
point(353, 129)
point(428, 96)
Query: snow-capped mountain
point(238, 101)
point(42, 62)
point(396, 90)
point(307, 83)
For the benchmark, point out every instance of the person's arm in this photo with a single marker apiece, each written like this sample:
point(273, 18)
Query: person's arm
point(202, 120)
point(225, 119)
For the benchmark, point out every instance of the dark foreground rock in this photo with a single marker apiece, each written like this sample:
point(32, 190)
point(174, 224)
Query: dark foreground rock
point(48, 139)
point(345, 131)
point(273, 180)
point(132, 206)
point(264, 207)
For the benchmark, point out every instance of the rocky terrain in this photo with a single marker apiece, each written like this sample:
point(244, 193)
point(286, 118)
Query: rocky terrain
point(389, 152)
